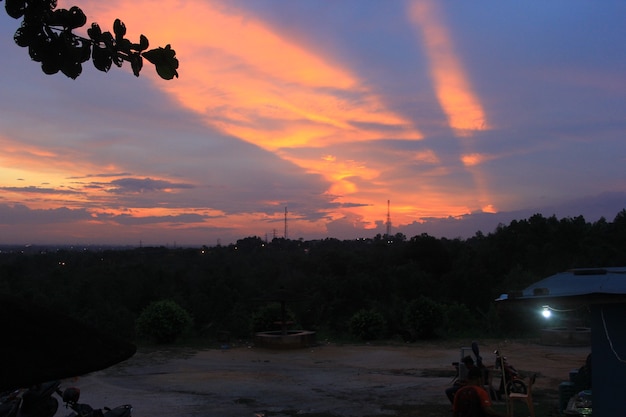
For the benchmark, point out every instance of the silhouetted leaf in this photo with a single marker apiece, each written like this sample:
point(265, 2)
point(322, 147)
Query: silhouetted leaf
point(94, 32)
point(119, 28)
point(136, 63)
point(123, 45)
point(15, 8)
point(165, 61)
point(71, 69)
point(83, 51)
point(47, 32)
point(50, 67)
point(143, 43)
point(77, 18)
point(24, 35)
point(101, 58)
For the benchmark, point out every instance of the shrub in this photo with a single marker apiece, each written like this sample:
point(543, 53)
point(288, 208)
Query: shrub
point(460, 321)
point(424, 317)
point(163, 321)
point(269, 317)
point(367, 324)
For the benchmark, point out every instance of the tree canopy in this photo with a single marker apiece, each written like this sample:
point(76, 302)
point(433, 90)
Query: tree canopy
point(421, 287)
point(48, 34)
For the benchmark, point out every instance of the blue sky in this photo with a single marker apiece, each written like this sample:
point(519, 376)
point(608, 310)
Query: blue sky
point(463, 115)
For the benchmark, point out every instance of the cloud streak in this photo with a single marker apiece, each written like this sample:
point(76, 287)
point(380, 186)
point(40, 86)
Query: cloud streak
point(327, 108)
point(144, 185)
point(462, 107)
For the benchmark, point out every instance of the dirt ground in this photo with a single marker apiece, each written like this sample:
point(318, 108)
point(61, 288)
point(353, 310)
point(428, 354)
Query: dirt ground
point(326, 380)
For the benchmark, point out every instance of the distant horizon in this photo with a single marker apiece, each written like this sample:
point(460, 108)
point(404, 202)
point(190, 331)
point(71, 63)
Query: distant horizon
point(449, 228)
point(462, 115)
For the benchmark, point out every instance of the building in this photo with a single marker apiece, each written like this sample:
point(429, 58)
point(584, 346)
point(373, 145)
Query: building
point(603, 292)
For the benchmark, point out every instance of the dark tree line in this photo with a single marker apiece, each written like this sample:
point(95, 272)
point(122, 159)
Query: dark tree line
point(417, 287)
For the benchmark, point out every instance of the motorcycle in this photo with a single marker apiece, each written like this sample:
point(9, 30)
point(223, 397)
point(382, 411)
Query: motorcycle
point(462, 368)
point(36, 401)
point(510, 376)
point(71, 396)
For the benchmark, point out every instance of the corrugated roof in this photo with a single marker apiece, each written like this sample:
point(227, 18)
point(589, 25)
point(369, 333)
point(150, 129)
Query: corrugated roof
point(576, 282)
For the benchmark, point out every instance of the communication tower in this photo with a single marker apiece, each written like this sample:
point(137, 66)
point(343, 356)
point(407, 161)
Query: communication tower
point(286, 235)
point(388, 220)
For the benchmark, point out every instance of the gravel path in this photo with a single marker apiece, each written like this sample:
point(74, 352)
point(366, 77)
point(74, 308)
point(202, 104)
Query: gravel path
point(343, 380)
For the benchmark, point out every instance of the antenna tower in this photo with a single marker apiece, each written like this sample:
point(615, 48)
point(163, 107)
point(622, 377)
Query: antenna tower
point(286, 235)
point(388, 220)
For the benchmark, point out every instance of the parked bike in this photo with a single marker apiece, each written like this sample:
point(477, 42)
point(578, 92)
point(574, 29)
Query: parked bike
point(36, 401)
point(510, 375)
point(72, 395)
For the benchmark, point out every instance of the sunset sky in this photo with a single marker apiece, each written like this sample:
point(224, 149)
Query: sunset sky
point(463, 115)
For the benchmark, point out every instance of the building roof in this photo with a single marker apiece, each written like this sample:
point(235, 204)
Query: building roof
point(606, 282)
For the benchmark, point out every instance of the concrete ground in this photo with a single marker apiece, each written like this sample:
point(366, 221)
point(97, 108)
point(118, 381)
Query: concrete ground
point(339, 380)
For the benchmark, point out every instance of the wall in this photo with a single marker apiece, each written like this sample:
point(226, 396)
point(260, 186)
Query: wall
point(608, 363)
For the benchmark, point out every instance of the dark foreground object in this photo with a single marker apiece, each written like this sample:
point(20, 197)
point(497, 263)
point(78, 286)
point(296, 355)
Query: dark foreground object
point(291, 339)
point(40, 345)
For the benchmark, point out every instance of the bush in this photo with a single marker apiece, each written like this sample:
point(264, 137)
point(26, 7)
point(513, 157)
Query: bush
point(460, 321)
point(268, 318)
point(424, 317)
point(163, 321)
point(367, 325)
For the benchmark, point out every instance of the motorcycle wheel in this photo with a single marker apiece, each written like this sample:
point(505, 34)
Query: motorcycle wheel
point(46, 408)
point(517, 386)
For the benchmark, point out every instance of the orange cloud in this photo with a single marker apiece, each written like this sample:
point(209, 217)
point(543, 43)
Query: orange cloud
point(473, 159)
point(246, 79)
point(455, 95)
point(253, 83)
point(457, 99)
point(26, 165)
point(427, 156)
point(489, 208)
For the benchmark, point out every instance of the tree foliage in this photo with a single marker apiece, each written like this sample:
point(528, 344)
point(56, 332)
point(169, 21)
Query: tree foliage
point(163, 321)
point(48, 34)
point(424, 317)
point(368, 324)
point(269, 317)
point(422, 287)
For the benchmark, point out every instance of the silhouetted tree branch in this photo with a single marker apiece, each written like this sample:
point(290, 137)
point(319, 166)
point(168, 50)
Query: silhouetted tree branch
point(47, 32)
